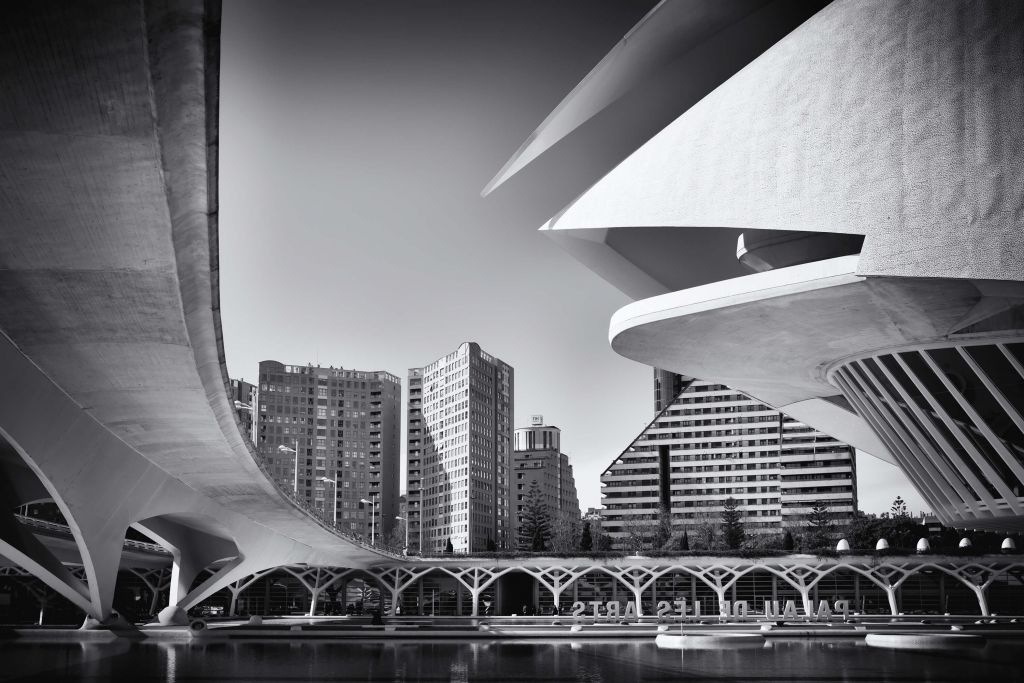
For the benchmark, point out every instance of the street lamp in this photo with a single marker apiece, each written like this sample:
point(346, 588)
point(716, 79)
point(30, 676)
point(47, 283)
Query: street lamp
point(405, 549)
point(284, 449)
point(373, 519)
point(335, 482)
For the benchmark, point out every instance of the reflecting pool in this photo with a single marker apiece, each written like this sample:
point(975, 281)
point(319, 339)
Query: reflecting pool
point(592, 661)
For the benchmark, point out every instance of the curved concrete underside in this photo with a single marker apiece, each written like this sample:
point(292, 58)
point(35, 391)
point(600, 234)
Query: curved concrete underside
point(115, 382)
point(773, 335)
point(897, 121)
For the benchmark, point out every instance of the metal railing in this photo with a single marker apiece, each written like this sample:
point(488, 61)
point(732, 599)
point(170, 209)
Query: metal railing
point(65, 530)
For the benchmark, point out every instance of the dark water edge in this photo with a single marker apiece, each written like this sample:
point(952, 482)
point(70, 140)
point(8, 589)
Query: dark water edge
point(554, 662)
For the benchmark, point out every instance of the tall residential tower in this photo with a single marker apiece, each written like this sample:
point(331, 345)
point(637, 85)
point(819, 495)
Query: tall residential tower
point(459, 452)
point(342, 429)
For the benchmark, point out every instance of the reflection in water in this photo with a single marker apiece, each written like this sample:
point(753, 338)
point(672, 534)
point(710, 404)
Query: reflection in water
point(591, 661)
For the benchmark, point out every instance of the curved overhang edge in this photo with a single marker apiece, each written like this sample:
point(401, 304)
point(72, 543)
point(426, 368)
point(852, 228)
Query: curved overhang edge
point(749, 288)
point(815, 411)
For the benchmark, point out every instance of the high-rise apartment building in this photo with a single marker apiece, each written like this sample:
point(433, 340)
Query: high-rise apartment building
point(244, 396)
point(341, 428)
point(537, 457)
point(711, 443)
point(459, 452)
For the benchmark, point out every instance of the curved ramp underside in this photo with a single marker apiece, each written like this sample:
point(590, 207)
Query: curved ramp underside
point(109, 305)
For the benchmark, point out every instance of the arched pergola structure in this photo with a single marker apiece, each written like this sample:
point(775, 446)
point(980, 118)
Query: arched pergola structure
point(719, 576)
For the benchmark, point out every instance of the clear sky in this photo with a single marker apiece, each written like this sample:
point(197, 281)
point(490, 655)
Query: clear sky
point(355, 138)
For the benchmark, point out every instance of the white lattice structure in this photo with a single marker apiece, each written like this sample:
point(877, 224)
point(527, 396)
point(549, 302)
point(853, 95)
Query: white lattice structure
point(638, 579)
point(157, 581)
point(633, 580)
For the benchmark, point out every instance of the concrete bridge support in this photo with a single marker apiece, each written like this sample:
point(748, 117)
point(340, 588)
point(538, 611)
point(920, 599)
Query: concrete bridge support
point(78, 463)
point(115, 403)
point(57, 450)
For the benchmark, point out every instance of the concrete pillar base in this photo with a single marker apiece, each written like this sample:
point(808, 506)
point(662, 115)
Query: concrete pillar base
point(172, 615)
point(114, 623)
point(90, 624)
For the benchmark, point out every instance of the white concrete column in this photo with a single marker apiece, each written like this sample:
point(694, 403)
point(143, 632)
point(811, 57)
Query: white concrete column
point(890, 593)
point(720, 593)
point(396, 597)
point(638, 595)
point(233, 608)
point(475, 595)
point(805, 598)
point(193, 551)
point(314, 591)
point(314, 598)
point(979, 592)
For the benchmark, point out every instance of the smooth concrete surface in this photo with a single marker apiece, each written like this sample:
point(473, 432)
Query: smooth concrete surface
point(898, 121)
point(115, 383)
point(892, 123)
point(672, 58)
point(773, 335)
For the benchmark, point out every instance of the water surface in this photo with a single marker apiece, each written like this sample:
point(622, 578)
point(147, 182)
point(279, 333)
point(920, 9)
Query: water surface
point(554, 662)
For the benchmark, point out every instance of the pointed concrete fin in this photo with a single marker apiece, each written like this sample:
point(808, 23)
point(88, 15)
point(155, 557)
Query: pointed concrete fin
point(670, 32)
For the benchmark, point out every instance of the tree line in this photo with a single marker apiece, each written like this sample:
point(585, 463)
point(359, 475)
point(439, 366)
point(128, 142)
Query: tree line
point(818, 530)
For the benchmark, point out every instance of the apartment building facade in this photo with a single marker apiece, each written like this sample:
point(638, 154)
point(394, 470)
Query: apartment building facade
point(711, 443)
point(323, 427)
point(459, 447)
